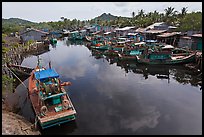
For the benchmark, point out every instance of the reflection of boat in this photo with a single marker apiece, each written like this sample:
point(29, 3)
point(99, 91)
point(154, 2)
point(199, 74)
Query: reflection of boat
point(129, 55)
point(164, 58)
point(49, 99)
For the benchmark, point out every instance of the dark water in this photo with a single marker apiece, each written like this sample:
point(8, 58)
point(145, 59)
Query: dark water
point(121, 97)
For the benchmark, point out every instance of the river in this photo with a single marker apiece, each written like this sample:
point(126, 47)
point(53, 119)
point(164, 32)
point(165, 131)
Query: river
point(119, 98)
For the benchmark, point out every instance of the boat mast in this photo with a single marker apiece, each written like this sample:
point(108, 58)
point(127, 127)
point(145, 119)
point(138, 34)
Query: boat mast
point(38, 63)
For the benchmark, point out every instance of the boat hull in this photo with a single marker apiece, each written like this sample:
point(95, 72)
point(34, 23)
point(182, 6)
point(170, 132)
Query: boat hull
point(51, 118)
point(187, 59)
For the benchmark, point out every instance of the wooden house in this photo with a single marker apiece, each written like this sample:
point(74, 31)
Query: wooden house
point(121, 32)
point(169, 38)
point(157, 28)
point(197, 42)
point(185, 42)
point(33, 34)
point(152, 34)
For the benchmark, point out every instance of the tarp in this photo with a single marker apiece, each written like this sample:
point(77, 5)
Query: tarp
point(44, 74)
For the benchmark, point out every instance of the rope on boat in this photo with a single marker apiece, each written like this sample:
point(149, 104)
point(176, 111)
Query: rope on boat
point(36, 122)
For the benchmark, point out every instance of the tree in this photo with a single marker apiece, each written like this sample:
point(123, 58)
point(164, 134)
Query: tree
point(191, 21)
point(170, 16)
point(183, 11)
point(133, 14)
point(141, 13)
point(169, 11)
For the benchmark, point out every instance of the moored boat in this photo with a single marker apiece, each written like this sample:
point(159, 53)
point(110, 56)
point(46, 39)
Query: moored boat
point(53, 41)
point(165, 58)
point(50, 101)
point(20, 70)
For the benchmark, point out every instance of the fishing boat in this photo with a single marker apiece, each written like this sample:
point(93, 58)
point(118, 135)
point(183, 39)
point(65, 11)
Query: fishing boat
point(53, 41)
point(76, 35)
point(165, 58)
point(50, 101)
point(129, 55)
point(101, 47)
point(20, 70)
point(88, 38)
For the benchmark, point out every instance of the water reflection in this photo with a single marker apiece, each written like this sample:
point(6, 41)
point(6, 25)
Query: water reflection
point(115, 97)
point(179, 73)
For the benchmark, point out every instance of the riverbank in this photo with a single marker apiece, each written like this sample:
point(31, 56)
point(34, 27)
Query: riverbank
point(13, 53)
point(14, 124)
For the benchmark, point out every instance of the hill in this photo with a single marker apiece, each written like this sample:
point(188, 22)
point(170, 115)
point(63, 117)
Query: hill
point(106, 17)
point(17, 21)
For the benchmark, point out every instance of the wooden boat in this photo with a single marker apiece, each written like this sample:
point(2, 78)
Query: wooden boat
point(20, 70)
point(111, 53)
point(165, 58)
point(53, 41)
point(88, 38)
point(49, 99)
point(75, 35)
point(129, 55)
point(101, 47)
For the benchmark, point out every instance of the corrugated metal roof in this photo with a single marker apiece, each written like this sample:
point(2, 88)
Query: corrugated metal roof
point(197, 35)
point(168, 34)
point(140, 30)
point(125, 28)
point(34, 30)
point(155, 24)
point(185, 37)
point(155, 31)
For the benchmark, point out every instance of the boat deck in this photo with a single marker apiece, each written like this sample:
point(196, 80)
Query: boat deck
point(51, 114)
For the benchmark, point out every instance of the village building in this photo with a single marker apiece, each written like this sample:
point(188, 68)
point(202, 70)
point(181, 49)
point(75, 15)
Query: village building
point(121, 32)
point(185, 42)
point(33, 34)
point(55, 34)
point(170, 38)
point(155, 29)
point(197, 42)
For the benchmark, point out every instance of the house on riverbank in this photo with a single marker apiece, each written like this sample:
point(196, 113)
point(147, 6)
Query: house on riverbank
point(120, 32)
point(197, 42)
point(33, 34)
point(170, 38)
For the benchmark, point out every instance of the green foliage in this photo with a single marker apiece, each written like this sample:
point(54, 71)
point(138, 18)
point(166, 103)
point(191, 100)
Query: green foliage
point(7, 83)
point(191, 21)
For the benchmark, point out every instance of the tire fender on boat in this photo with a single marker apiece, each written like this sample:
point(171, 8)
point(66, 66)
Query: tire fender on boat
point(65, 104)
point(34, 90)
point(44, 110)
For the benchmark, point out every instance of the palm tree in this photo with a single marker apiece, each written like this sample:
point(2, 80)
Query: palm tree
point(170, 15)
point(169, 11)
point(62, 18)
point(141, 13)
point(184, 11)
point(133, 14)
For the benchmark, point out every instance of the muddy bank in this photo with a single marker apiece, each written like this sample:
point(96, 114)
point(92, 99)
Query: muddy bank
point(14, 124)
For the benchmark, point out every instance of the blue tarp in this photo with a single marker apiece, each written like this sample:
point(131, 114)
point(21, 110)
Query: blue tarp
point(44, 74)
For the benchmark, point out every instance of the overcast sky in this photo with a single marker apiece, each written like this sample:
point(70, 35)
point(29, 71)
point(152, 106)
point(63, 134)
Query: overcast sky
point(52, 11)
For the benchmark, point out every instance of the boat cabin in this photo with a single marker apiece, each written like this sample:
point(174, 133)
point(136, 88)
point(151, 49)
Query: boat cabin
point(49, 87)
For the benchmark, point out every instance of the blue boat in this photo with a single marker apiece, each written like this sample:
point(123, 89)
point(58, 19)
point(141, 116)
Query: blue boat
point(50, 101)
